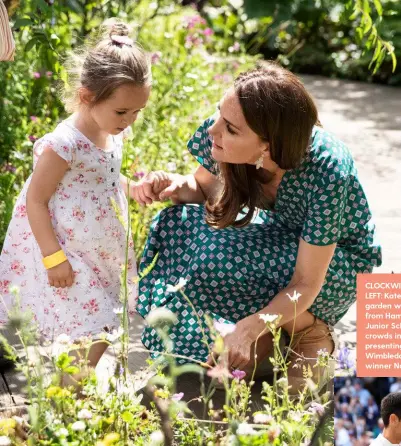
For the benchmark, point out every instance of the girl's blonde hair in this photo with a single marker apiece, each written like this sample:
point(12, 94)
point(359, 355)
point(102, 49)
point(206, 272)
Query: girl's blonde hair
point(113, 61)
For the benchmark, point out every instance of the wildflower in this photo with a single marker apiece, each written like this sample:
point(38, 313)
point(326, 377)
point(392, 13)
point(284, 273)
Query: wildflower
point(273, 432)
point(78, 426)
point(245, 429)
point(161, 316)
point(234, 48)
point(36, 75)
point(268, 318)
point(63, 339)
point(33, 118)
point(223, 328)
point(343, 358)
point(177, 396)
point(156, 438)
point(282, 382)
point(49, 73)
point(174, 288)
point(139, 174)
point(172, 167)
point(262, 418)
point(111, 438)
point(238, 374)
point(294, 297)
point(208, 32)
point(5, 441)
point(62, 432)
point(219, 372)
point(114, 335)
point(84, 414)
point(317, 408)
point(155, 57)
point(32, 138)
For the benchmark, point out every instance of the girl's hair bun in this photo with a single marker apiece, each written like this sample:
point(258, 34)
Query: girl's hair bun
point(113, 27)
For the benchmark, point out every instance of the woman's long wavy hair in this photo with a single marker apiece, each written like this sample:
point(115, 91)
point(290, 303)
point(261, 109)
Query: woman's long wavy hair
point(277, 107)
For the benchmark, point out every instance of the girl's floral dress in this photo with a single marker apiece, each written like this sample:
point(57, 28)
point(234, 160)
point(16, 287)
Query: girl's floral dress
point(88, 230)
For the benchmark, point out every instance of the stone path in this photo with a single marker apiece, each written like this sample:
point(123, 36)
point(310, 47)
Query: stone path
point(368, 119)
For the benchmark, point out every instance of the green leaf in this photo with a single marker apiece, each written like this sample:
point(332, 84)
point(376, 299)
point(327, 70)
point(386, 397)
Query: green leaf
point(379, 7)
point(394, 59)
point(19, 23)
point(63, 361)
point(42, 5)
point(71, 370)
point(31, 43)
point(189, 368)
point(127, 417)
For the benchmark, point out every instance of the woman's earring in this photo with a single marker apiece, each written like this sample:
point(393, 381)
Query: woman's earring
point(259, 162)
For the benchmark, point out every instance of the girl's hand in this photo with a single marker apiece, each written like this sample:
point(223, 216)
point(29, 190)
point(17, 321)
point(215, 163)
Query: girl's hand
point(61, 276)
point(157, 186)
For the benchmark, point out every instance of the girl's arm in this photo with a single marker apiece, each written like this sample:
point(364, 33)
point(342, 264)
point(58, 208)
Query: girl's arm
point(48, 172)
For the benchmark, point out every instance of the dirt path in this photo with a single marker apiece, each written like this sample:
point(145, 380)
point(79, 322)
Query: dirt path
point(368, 119)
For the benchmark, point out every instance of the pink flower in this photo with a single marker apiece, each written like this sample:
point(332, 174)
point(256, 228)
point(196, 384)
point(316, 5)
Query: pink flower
point(223, 328)
point(36, 75)
point(208, 32)
point(238, 374)
point(219, 372)
point(177, 396)
point(32, 138)
point(34, 118)
point(49, 73)
point(139, 174)
point(155, 57)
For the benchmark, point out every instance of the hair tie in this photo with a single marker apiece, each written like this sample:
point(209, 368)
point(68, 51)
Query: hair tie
point(122, 40)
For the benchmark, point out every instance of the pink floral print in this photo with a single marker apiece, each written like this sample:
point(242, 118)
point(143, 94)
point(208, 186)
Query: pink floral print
point(90, 234)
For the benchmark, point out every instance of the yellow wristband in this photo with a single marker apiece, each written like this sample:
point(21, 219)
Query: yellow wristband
point(54, 259)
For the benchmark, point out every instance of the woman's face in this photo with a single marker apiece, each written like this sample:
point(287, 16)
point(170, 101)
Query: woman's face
point(233, 140)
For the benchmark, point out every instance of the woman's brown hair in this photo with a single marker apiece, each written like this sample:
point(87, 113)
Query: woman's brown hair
point(277, 107)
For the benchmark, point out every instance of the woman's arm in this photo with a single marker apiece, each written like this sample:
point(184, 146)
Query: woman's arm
point(308, 278)
point(160, 186)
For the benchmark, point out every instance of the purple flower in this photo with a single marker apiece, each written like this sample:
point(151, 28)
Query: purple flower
point(343, 358)
point(139, 174)
point(32, 138)
point(36, 75)
point(34, 118)
point(9, 168)
point(177, 396)
point(155, 57)
point(317, 408)
point(238, 374)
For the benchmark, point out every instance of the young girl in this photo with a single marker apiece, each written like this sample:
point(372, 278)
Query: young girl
point(65, 246)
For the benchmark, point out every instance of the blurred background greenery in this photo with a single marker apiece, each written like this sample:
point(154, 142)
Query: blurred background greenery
point(197, 48)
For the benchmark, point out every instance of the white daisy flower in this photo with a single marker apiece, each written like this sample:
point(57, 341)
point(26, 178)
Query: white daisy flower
point(294, 297)
point(174, 288)
point(268, 318)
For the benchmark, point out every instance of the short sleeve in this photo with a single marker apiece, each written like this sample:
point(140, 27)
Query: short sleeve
point(332, 178)
point(200, 146)
point(63, 145)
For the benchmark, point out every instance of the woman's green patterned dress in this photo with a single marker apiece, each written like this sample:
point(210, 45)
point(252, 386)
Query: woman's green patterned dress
point(235, 272)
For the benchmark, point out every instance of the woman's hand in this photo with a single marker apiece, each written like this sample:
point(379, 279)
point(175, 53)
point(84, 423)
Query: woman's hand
point(158, 186)
point(61, 276)
point(240, 345)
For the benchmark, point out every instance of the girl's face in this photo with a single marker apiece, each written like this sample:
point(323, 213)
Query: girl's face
point(233, 140)
point(121, 109)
